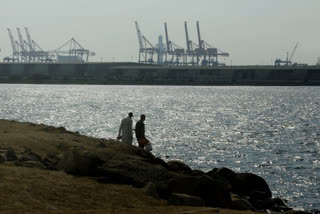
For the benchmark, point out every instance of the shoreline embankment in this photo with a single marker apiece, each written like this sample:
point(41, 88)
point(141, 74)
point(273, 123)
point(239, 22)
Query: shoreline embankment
point(50, 169)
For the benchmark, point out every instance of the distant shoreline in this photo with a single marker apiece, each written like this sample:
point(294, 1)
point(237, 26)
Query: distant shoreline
point(142, 74)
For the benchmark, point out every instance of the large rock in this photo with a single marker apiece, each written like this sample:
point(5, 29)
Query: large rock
point(2, 158)
point(11, 154)
point(213, 192)
point(116, 163)
point(80, 162)
point(185, 200)
point(240, 203)
point(151, 190)
point(28, 155)
point(247, 184)
point(178, 166)
point(274, 204)
point(31, 164)
point(251, 185)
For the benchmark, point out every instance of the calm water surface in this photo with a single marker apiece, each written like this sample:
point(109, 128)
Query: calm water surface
point(270, 131)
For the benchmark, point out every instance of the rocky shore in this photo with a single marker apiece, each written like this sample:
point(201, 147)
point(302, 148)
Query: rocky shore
point(45, 169)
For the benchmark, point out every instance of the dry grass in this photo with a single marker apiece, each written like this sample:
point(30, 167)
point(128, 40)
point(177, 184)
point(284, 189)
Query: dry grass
point(33, 191)
point(27, 190)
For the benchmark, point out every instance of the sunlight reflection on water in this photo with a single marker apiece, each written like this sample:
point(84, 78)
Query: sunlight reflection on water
point(270, 131)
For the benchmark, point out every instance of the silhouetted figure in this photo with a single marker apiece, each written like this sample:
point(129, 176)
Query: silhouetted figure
point(125, 130)
point(140, 132)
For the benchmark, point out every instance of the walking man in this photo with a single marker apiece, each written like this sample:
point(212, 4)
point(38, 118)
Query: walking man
point(140, 132)
point(125, 130)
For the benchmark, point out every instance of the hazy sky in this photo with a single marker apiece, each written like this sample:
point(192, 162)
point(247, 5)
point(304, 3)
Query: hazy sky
point(252, 31)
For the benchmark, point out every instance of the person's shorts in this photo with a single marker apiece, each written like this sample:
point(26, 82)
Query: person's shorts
point(143, 141)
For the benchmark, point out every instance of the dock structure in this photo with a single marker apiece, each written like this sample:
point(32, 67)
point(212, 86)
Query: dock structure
point(28, 51)
point(195, 54)
point(144, 74)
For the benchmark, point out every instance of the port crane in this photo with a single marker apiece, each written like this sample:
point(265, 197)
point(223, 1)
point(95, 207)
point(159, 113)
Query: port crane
point(29, 51)
point(191, 46)
point(146, 49)
point(23, 51)
point(206, 53)
point(26, 51)
point(15, 55)
point(173, 50)
point(287, 62)
point(75, 50)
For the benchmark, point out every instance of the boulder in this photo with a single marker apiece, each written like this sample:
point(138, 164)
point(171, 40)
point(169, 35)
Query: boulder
point(178, 166)
point(300, 212)
point(49, 163)
point(32, 164)
point(213, 192)
point(240, 203)
point(194, 172)
point(275, 204)
point(2, 158)
point(116, 163)
point(215, 175)
point(79, 162)
point(28, 155)
point(224, 172)
point(185, 200)
point(134, 172)
point(151, 190)
point(247, 184)
point(251, 185)
point(11, 155)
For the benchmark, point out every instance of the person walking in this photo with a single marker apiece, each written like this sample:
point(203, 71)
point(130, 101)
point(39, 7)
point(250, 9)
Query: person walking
point(140, 132)
point(125, 130)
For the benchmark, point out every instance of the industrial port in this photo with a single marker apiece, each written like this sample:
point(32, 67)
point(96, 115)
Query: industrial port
point(199, 52)
point(28, 51)
point(162, 63)
point(195, 54)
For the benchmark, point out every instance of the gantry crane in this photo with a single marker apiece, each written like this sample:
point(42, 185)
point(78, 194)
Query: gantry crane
point(23, 51)
point(287, 62)
point(76, 51)
point(15, 55)
point(30, 45)
point(146, 49)
point(26, 51)
point(173, 50)
point(191, 46)
point(29, 51)
point(206, 53)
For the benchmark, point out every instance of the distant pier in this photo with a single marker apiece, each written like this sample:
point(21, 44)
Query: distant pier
point(142, 74)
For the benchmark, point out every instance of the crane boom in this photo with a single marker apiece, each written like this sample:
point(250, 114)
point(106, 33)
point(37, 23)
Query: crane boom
point(199, 36)
point(13, 44)
point(187, 37)
point(76, 43)
point(294, 50)
point(21, 39)
point(34, 44)
point(29, 40)
point(167, 38)
point(140, 37)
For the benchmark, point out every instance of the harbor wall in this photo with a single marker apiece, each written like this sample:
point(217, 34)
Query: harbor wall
point(140, 74)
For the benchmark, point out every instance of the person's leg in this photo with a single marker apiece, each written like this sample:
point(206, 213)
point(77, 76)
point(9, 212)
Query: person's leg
point(141, 146)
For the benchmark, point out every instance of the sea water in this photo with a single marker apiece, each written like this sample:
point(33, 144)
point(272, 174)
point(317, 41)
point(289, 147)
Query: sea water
point(273, 132)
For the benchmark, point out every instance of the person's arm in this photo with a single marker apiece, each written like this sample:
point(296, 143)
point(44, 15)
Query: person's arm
point(120, 130)
point(138, 130)
point(130, 129)
point(143, 131)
